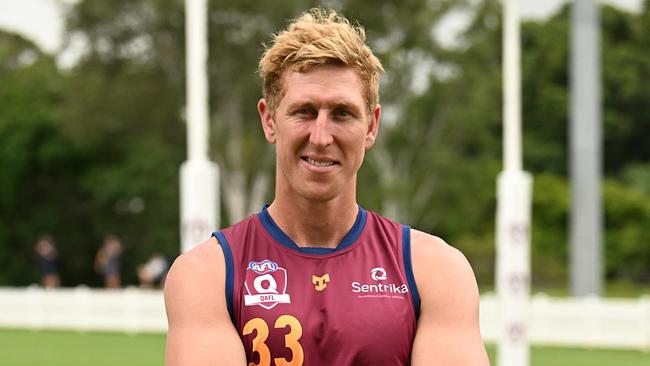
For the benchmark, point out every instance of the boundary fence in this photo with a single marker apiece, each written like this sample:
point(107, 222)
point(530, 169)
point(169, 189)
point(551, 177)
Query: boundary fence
point(582, 322)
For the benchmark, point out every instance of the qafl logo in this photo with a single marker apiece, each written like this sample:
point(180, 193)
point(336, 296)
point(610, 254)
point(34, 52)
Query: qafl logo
point(378, 274)
point(266, 284)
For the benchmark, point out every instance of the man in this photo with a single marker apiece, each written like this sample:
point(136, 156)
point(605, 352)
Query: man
point(314, 279)
point(108, 261)
point(47, 260)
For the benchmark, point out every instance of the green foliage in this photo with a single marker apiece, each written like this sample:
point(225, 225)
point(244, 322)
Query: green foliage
point(39, 163)
point(638, 176)
point(627, 216)
point(545, 94)
point(549, 254)
point(626, 71)
point(627, 213)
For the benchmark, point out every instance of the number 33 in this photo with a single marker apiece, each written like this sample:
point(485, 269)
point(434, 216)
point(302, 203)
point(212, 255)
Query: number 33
point(290, 340)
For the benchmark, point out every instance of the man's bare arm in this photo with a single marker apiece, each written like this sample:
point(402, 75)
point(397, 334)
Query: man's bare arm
point(448, 330)
point(200, 330)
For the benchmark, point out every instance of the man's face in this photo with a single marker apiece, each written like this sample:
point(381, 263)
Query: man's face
point(321, 128)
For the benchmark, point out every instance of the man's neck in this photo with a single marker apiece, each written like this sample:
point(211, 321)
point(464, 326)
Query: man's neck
point(315, 224)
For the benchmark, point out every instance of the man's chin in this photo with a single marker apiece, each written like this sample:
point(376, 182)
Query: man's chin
point(319, 194)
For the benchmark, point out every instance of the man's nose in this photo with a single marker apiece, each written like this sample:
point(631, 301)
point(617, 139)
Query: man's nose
point(320, 134)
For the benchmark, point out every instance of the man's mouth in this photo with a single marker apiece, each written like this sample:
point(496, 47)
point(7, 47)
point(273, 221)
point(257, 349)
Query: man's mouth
point(318, 163)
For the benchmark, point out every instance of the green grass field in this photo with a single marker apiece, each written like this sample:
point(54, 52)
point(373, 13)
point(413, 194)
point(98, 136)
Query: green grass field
point(50, 348)
point(54, 348)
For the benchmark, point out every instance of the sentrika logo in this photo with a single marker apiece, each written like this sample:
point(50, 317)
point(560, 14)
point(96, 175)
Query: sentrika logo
point(377, 290)
point(266, 284)
point(378, 274)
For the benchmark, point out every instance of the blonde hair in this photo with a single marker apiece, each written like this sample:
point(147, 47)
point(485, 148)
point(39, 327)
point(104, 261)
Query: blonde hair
point(315, 38)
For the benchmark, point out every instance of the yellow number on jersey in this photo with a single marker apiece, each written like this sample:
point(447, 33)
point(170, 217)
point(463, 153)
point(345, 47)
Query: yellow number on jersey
point(290, 340)
point(258, 342)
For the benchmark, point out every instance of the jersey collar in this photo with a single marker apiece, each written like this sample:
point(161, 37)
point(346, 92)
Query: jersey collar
point(272, 228)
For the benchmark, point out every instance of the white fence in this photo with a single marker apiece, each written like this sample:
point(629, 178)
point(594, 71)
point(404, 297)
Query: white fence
point(586, 322)
point(583, 322)
point(128, 310)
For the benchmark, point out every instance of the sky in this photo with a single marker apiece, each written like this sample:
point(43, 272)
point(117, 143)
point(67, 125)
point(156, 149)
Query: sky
point(42, 20)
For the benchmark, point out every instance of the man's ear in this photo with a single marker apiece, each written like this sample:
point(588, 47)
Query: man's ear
point(266, 117)
point(373, 127)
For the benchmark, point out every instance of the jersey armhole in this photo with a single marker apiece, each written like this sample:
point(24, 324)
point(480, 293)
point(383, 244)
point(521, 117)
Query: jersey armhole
point(230, 273)
point(408, 269)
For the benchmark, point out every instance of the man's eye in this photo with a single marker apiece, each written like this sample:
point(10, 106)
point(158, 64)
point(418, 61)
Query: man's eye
point(304, 112)
point(341, 113)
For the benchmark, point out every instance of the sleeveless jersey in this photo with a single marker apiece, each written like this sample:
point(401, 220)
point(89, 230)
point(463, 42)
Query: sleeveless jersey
point(355, 304)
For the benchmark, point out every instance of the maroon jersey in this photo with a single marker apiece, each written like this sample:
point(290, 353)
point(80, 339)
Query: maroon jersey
point(355, 304)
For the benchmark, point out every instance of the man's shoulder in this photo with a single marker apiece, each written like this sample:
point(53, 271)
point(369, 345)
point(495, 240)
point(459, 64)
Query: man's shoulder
point(434, 248)
point(195, 300)
point(439, 267)
point(196, 277)
point(202, 257)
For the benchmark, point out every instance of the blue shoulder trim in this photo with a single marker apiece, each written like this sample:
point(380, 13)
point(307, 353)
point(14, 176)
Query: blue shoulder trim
point(274, 230)
point(230, 272)
point(408, 268)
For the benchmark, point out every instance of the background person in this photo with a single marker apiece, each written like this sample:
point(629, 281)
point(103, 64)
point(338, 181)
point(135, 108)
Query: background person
point(152, 273)
point(108, 261)
point(47, 256)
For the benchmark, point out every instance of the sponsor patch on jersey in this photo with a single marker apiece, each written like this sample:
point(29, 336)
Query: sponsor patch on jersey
point(379, 288)
point(266, 284)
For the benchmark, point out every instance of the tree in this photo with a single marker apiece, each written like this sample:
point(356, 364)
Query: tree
point(38, 190)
